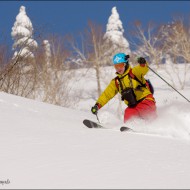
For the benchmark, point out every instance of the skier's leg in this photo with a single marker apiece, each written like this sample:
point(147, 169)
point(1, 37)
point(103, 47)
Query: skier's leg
point(129, 113)
point(146, 109)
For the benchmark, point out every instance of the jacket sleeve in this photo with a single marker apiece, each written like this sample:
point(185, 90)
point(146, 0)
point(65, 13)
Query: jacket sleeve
point(140, 71)
point(110, 91)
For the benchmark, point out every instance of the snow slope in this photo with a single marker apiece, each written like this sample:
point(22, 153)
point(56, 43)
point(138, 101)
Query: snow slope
point(46, 146)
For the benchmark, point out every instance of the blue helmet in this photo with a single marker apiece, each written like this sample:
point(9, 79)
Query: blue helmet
point(120, 58)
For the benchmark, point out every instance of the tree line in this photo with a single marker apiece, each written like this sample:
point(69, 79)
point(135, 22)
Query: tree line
point(41, 68)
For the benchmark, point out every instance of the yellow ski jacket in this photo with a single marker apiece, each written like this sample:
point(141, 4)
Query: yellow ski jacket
point(141, 92)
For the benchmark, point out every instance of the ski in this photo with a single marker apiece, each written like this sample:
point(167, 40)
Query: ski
point(126, 129)
point(91, 124)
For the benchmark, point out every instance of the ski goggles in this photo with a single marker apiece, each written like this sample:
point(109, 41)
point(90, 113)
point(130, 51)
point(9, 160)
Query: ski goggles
point(119, 66)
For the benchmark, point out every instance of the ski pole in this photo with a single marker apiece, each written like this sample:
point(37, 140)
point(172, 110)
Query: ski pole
point(97, 117)
point(168, 83)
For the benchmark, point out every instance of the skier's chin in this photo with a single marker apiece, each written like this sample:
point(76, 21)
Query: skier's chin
point(120, 72)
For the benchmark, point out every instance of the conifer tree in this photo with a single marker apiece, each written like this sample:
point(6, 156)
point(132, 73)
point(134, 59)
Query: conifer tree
point(115, 35)
point(22, 34)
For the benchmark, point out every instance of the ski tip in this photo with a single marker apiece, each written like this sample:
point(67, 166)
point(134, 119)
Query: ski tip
point(122, 129)
point(125, 129)
point(87, 123)
point(92, 124)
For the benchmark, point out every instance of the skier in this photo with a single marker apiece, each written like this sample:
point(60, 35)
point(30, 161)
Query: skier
point(132, 86)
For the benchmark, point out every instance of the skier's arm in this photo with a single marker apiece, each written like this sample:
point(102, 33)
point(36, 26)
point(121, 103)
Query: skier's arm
point(141, 70)
point(110, 91)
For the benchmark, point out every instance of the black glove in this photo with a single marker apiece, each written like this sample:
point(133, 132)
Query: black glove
point(95, 109)
point(141, 60)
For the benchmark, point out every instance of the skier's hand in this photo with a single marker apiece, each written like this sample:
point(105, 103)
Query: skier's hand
point(95, 109)
point(141, 60)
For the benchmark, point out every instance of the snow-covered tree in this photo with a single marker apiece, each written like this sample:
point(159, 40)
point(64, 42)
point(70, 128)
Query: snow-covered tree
point(22, 34)
point(47, 49)
point(115, 35)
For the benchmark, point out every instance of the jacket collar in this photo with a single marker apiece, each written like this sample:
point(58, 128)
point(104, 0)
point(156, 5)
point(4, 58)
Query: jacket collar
point(125, 73)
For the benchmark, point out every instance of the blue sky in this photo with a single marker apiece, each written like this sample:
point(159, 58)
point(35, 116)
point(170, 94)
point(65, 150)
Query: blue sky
point(65, 17)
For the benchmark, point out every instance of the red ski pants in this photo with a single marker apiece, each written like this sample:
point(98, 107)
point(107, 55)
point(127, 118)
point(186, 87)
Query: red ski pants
point(143, 109)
